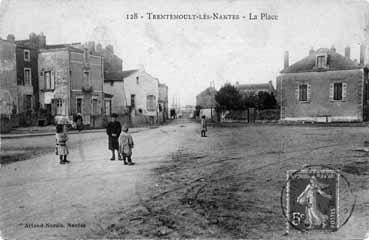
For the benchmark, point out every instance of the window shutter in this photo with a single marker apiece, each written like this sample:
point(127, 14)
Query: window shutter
point(297, 92)
point(308, 92)
point(331, 90)
point(52, 81)
point(344, 91)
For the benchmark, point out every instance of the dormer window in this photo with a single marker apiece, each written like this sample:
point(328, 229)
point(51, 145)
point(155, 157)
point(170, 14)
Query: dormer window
point(27, 55)
point(321, 61)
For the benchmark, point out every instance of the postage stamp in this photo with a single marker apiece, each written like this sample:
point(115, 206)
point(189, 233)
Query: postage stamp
point(312, 199)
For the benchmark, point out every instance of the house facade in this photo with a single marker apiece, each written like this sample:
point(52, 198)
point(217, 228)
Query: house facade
point(323, 87)
point(114, 85)
point(163, 102)
point(71, 82)
point(8, 76)
point(206, 101)
point(142, 93)
point(27, 77)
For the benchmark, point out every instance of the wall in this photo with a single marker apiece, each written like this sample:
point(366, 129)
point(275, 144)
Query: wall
point(147, 86)
point(57, 62)
point(119, 101)
point(206, 99)
point(320, 105)
point(23, 89)
point(8, 76)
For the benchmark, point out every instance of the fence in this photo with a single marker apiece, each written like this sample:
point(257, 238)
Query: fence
point(251, 115)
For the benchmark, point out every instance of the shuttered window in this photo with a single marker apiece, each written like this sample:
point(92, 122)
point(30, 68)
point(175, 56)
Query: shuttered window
point(151, 103)
point(338, 91)
point(303, 92)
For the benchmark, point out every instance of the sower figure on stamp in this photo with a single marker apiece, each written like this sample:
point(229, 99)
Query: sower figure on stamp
point(125, 146)
point(204, 127)
point(113, 130)
point(61, 143)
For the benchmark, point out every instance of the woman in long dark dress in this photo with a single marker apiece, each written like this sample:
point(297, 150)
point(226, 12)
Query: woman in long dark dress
point(113, 130)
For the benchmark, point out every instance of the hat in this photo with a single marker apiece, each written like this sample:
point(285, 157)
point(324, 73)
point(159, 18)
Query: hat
point(114, 115)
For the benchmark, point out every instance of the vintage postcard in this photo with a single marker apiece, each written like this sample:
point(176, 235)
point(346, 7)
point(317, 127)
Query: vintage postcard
point(156, 119)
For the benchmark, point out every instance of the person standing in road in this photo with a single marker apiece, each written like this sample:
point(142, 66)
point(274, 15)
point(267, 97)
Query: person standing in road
point(204, 127)
point(61, 143)
point(125, 146)
point(113, 130)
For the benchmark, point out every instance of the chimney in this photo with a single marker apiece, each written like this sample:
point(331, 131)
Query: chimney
point(311, 51)
point(41, 40)
point(362, 54)
point(10, 37)
point(286, 60)
point(347, 52)
point(333, 49)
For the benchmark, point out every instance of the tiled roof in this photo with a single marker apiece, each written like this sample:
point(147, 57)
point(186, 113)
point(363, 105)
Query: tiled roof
point(129, 72)
point(253, 86)
point(335, 62)
point(208, 91)
point(113, 76)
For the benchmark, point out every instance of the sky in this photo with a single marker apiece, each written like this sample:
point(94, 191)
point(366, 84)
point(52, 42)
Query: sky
point(189, 54)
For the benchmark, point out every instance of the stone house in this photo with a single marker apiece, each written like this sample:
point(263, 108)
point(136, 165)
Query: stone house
point(163, 102)
point(206, 101)
point(27, 77)
point(8, 76)
point(142, 95)
point(71, 82)
point(325, 86)
point(8, 85)
point(114, 85)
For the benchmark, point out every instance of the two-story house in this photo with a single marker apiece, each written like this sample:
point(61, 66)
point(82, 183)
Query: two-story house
point(71, 82)
point(325, 86)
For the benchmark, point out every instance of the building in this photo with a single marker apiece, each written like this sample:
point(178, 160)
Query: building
point(163, 102)
point(114, 85)
point(323, 87)
point(27, 77)
point(71, 82)
point(8, 76)
point(255, 88)
point(206, 101)
point(8, 85)
point(142, 92)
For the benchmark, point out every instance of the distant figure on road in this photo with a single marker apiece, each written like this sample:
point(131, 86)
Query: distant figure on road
point(61, 143)
point(113, 130)
point(125, 146)
point(204, 127)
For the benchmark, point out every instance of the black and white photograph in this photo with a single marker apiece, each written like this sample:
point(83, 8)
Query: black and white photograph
point(184, 119)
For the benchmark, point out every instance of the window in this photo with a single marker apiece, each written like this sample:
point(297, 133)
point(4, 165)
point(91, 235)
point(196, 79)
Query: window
point(303, 89)
point(49, 80)
point(151, 103)
point(27, 55)
point(59, 106)
point(337, 91)
point(321, 61)
point(133, 100)
point(27, 77)
point(137, 80)
point(94, 107)
point(108, 107)
point(27, 102)
point(79, 105)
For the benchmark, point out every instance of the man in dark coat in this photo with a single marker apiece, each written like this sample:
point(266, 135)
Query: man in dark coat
point(113, 130)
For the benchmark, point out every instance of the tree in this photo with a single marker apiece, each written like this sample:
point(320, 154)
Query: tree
point(228, 98)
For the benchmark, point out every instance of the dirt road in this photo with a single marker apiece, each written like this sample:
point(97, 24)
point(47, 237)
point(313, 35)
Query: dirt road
point(40, 199)
point(224, 186)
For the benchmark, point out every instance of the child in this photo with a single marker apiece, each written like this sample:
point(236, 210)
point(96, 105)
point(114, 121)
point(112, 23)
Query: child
point(204, 127)
point(61, 143)
point(125, 146)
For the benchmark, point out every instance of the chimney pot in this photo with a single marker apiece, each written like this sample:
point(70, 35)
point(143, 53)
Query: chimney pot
point(286, 59)
point(362, 54)
point(347, 52)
